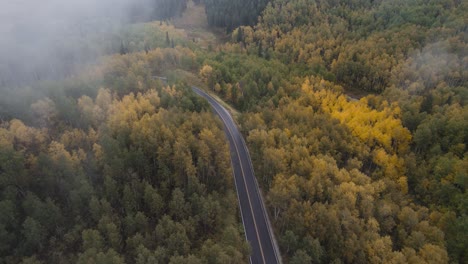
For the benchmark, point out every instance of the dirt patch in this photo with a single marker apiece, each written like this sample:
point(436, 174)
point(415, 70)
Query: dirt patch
point(195, 23)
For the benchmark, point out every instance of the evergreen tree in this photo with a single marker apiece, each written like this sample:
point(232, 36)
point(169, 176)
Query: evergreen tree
point(123, 50)
point(231, 14)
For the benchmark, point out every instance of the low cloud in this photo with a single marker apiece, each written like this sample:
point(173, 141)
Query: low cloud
point(38, 37)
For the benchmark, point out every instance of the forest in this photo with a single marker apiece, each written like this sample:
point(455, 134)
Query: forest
point(355, 114)
point(123, 175)
point(54, 42)
point(334, 91)
point(231, 14)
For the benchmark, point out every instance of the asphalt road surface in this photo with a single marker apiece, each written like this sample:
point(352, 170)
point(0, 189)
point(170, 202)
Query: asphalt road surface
point(254, 216)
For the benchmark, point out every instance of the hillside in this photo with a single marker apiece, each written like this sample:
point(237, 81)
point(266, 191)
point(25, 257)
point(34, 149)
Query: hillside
point(347, 176)
point(354, 113)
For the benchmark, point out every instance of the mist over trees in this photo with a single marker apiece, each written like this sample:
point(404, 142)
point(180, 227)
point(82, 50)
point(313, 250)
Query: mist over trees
point(53, 39)
point(135, 173)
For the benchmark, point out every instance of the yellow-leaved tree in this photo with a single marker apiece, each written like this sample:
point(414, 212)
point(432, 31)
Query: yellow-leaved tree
point(380, 128)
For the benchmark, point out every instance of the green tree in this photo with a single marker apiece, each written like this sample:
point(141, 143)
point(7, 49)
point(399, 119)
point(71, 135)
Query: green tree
point(92, 239)
point(300, 257)
point(34, 236)
point(94, 256)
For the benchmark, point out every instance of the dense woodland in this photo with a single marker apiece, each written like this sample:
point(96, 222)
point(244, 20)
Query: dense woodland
point(346, 175)
point(354, 112)
point(136, 173)
point(231, 14)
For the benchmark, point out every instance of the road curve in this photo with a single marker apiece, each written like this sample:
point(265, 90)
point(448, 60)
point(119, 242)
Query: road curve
point(254, 217)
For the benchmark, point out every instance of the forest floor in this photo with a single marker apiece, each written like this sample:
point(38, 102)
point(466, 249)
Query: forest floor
point(195, 24)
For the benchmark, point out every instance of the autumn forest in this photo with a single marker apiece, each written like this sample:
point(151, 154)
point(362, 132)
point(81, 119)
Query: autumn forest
point(354, 112)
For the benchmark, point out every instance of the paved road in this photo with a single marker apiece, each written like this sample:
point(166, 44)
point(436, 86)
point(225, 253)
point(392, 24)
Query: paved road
point(254, 217)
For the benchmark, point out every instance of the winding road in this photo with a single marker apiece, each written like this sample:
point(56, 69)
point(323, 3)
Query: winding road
point(254, 217)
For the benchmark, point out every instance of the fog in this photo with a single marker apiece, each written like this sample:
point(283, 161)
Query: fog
point(50, 38)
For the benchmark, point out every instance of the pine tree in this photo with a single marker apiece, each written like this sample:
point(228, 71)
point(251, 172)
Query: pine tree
point(260, 49)
point(123, 49)
point(240, 34)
